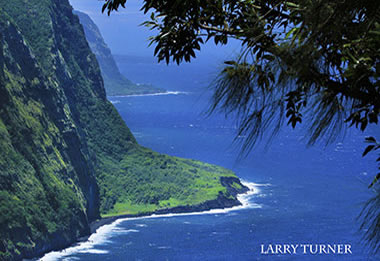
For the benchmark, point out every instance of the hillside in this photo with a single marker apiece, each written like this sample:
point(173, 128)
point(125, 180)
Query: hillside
point(114, 82)
point(66, 156)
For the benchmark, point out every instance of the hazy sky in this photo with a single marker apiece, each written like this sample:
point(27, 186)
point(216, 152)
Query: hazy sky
point(123, 34)
point(121, 30)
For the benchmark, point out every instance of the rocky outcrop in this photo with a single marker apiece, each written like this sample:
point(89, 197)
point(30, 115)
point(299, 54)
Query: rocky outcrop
point(233, 186)
point(224, 200)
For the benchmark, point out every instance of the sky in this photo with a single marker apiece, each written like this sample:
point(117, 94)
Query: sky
point(124, 35)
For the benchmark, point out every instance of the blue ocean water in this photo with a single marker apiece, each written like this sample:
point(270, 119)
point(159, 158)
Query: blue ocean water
point(305, 195)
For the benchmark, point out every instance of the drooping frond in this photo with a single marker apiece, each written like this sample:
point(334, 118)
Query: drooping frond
point(370, 223)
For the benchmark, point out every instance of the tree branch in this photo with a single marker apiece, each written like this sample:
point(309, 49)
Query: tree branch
point(221, 30)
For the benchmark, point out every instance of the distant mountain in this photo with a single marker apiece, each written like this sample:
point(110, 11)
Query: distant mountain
point(114, 82)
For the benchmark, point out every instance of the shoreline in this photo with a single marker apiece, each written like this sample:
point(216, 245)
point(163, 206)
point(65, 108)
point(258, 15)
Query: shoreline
point(148, 94)
point(180, 210)
point(103, 226)
point(174, 211)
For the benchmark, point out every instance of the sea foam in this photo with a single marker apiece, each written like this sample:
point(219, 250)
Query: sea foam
point(100, 237)
point(104, 233)
point(151, 94)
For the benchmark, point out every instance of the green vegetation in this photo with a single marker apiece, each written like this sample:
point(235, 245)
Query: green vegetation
point(123, 86)
point(65, 153)
point(114, 82)
point(41, 193)
point(144, 181)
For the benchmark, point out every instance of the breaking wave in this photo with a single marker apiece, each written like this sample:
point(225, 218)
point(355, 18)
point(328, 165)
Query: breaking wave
point(104, 233)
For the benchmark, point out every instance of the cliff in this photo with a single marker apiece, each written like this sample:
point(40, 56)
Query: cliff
point(66, 156)
point(48, 191)
point(114, 82)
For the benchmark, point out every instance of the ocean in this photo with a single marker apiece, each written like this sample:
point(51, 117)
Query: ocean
point(302, 195)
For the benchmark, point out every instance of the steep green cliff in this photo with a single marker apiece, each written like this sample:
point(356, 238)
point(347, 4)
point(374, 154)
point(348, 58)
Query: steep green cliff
point(48, 192)
point(114, 82)
point(66, 156)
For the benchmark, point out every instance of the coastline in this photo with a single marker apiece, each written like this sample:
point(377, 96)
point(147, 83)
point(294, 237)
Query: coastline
point(148, 94)
point(203, 208)
point(102, 226)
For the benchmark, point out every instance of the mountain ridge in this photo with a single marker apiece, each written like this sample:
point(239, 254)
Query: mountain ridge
point(114, 82)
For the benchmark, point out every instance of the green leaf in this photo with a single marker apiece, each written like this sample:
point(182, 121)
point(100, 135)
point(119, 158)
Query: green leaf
point(290, 4)
point(375, 180)
point(291, 31)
